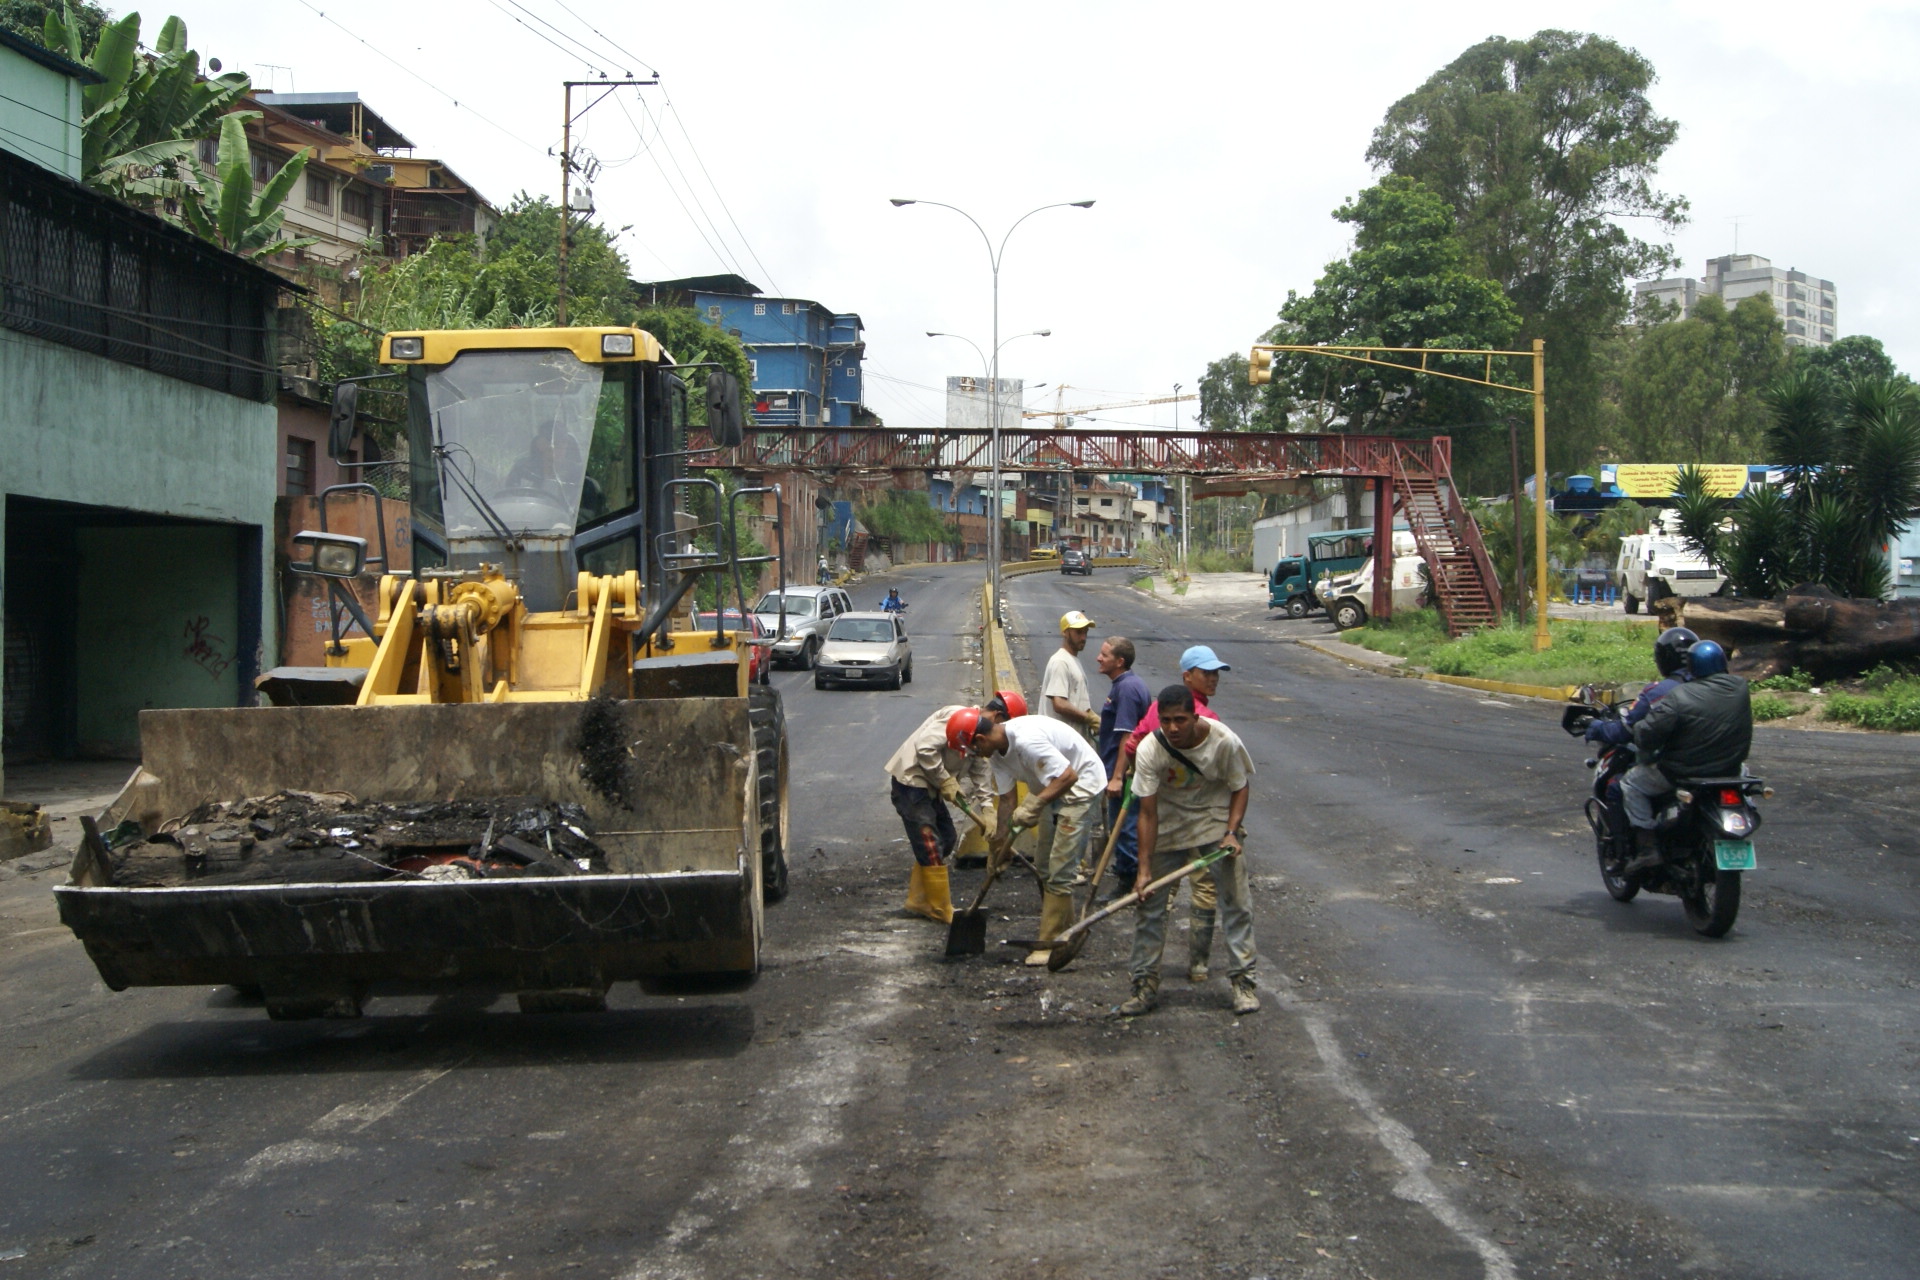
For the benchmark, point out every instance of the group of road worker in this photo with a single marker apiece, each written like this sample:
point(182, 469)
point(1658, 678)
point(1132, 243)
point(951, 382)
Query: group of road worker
point(1165, 777)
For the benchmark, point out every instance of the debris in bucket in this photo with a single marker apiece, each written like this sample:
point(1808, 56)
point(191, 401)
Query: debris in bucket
point(303, 837)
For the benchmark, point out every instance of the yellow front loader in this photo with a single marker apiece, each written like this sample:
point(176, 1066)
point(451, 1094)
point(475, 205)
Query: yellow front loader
point(540, 651)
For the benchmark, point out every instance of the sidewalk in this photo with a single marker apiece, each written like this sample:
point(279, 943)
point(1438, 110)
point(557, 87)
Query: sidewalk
point(65, 789)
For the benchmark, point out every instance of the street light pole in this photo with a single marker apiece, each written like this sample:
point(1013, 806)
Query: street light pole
point(993, 379)
point(994, 259)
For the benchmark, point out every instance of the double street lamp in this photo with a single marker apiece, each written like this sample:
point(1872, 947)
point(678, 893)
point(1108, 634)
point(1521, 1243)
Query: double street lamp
point(995, 255)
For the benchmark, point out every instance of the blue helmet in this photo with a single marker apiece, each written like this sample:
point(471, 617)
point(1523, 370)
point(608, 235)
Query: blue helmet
point(1706, 658)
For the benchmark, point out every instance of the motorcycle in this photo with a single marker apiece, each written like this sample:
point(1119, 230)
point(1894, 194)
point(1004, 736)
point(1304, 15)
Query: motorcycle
point(1705, 832)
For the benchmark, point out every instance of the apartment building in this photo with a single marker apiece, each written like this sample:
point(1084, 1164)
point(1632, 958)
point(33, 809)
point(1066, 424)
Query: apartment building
point(1807, 305)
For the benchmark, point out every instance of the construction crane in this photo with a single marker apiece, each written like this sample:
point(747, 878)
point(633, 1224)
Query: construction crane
point(1063, 416)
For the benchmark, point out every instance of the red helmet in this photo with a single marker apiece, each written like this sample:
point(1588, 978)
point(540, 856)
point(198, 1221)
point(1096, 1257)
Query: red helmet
point(962, 725)
point(1009, 701)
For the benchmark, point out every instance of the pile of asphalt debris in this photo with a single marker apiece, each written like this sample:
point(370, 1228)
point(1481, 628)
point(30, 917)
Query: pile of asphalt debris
point(306, 837)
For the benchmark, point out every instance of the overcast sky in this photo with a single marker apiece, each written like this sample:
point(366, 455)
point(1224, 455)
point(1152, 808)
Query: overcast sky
point(1215, 138)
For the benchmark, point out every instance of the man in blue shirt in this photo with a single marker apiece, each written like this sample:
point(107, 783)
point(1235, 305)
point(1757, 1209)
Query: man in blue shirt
point(1126, 703)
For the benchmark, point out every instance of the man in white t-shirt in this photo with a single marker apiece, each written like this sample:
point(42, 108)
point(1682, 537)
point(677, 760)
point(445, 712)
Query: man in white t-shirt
point(1064, 695)
point(1063, 777)
point(1193, 779)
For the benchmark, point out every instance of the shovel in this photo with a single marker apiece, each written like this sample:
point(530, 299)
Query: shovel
point(1100, 869)
point(1039, 880)
point(967, 935)
point(1064, 948)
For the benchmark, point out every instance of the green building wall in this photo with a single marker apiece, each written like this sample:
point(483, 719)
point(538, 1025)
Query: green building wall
point(159, 605)
point(39, 113)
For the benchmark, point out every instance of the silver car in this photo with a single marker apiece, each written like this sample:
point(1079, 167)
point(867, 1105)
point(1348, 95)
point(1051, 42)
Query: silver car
point(810, 611)
point(865, 648)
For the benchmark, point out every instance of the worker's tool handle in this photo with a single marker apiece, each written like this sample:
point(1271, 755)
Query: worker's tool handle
point(1131, 899)
point(993, 874)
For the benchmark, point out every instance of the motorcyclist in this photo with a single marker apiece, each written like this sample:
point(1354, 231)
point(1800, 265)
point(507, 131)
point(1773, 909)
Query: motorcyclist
point(1670, 659)
point(893, 603)
point(1701, 729)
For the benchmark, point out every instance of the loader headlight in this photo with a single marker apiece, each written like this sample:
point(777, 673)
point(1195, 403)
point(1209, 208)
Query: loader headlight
point(407, 348)
point(616, 344)
point(335, 555)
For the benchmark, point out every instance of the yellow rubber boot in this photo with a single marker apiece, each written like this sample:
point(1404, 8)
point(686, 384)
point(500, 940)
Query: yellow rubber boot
point(917, 890)
point(939, 895)
point(1056, 914)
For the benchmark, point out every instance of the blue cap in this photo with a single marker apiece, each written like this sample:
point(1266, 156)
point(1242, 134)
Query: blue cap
point(1201, 658)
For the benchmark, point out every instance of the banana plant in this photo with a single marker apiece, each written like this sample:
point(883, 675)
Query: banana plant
point(223, 207)
point(142, 121)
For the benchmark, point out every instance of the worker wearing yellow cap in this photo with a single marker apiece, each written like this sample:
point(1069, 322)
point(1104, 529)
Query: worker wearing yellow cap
point(1064, 695)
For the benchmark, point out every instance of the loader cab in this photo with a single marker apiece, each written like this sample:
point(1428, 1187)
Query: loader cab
point(546, 452)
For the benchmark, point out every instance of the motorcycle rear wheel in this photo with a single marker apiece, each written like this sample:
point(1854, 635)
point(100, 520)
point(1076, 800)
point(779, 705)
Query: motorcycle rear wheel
point(1712, 906)
point(1622, 888)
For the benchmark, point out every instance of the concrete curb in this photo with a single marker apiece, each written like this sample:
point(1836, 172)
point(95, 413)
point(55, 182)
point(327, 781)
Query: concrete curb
point(1372, 662)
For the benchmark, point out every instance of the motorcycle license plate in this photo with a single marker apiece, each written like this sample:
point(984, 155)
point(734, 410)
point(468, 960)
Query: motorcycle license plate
point(1733, 855)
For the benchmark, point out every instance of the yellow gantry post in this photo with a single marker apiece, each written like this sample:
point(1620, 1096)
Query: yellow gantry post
point(1542, 638)
point(1260, 370)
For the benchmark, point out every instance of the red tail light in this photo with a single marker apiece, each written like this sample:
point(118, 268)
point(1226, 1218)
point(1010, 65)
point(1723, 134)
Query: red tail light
point(1730, 797)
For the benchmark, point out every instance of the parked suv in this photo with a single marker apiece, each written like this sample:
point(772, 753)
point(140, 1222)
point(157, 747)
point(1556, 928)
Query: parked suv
point(1074, 560)
point(810, 611)
point(865, 648)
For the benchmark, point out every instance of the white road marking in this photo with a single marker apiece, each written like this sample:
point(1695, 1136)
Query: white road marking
point(799, 1116)
point(352, 1117)
point(1414, 1185)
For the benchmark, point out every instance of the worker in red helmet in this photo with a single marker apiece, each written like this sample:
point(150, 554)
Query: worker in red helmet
point(1063, 778)
point(926, 775)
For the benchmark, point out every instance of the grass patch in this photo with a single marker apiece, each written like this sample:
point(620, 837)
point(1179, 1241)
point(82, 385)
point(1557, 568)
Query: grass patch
point(1771, 706)
point(1791, 682)
point(1887, 701)
point(1600, 652)
point(1180, 586)
point(1217, 561)
point(1143, 583)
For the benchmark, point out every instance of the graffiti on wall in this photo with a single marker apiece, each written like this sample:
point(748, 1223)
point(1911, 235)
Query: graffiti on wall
point(213, 654)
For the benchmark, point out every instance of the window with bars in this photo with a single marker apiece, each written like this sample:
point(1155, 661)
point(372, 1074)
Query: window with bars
point(264, 168)
point(299, 466)
point(320, 191)
point(87, 272)
point(357, 203)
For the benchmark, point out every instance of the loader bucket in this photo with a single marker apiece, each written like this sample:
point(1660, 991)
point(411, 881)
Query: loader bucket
point(668, 787)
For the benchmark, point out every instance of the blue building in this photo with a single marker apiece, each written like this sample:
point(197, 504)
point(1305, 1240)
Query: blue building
point(806, 359)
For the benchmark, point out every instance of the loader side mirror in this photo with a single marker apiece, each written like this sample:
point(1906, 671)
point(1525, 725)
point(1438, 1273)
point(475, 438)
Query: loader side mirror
point(333, 555)
point(726, 421)
point(343, 422)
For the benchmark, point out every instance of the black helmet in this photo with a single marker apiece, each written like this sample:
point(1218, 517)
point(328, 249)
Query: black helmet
point(1670, 650)
point(1706, 659)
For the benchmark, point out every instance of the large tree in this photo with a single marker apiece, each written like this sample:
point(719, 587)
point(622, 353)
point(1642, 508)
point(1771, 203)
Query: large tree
point(1544, 147)
point(1408, 282)
point(1690, 390)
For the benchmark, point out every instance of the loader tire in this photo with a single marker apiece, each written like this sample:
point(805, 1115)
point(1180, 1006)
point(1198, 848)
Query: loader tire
point(769, 720)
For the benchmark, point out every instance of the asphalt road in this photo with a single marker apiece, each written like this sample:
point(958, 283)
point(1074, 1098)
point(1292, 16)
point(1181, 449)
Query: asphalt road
point(1472, 1062)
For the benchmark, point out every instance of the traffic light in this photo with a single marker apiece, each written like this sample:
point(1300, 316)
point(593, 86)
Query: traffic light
point(1260, 367)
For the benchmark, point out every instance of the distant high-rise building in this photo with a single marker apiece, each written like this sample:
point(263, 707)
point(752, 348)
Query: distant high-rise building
point(1807, 305)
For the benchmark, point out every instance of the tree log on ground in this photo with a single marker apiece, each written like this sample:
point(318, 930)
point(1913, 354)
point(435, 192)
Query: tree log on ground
point(1810, 629)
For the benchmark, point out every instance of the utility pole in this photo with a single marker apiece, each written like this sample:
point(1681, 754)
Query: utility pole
point(567, 118)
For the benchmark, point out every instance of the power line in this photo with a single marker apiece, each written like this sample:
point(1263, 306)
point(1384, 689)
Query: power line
point(616, 45)
point(570, 54)
point(320, 13)
point(691, 146)
point(688, 182)
point(720, 255)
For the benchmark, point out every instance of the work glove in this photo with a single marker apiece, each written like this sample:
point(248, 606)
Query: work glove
point(999, 848)
point(1028, 813)
point(950, 789)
